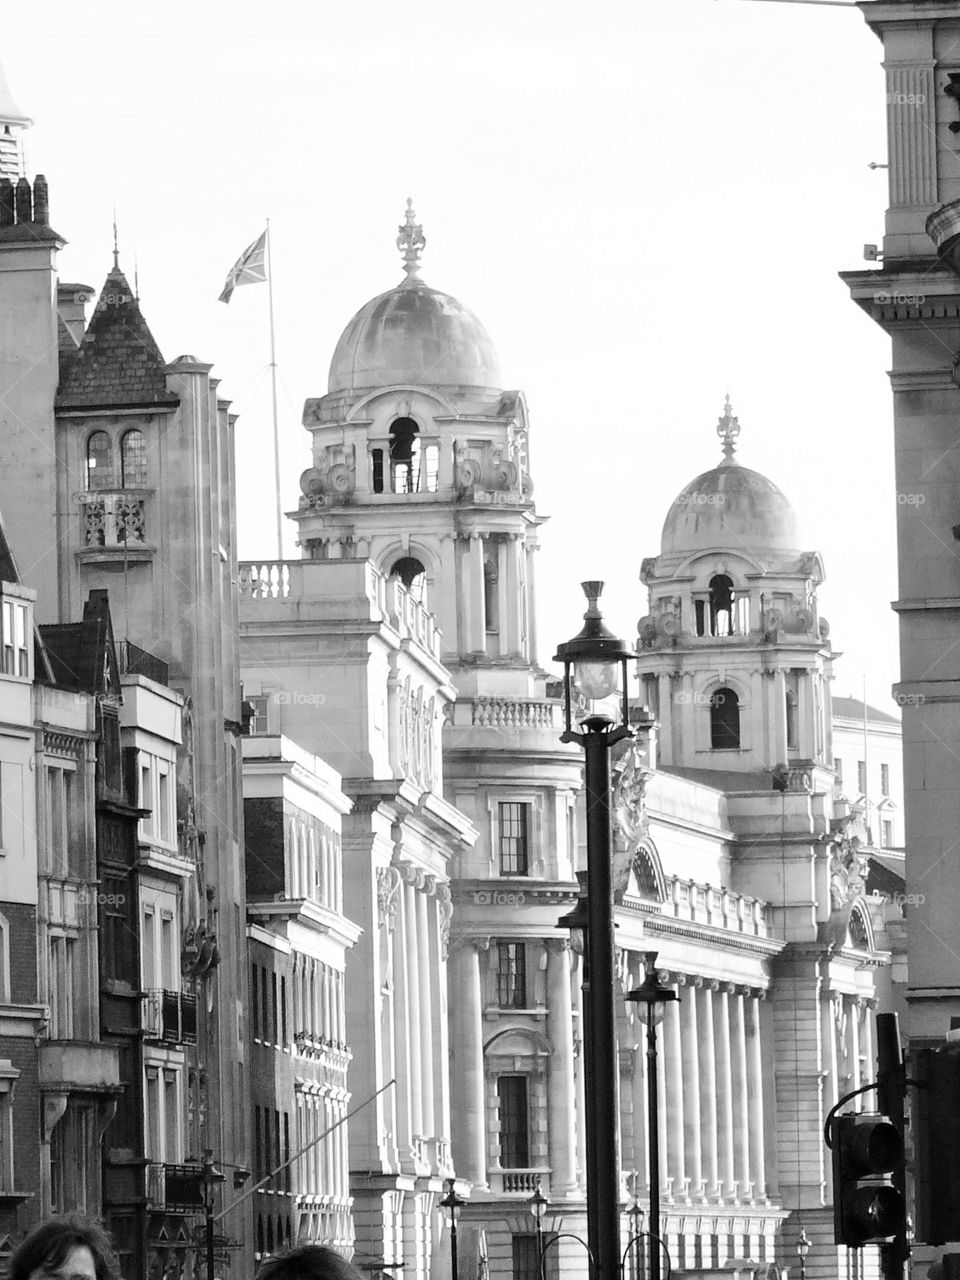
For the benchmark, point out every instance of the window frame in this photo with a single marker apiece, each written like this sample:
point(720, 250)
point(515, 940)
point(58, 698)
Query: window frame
point(505, 854)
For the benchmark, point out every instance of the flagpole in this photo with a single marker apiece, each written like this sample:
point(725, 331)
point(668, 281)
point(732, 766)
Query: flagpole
point(273, 385)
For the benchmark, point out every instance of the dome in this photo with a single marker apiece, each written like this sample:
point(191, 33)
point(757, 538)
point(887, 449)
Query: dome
point(414, 335)
point(730, 506)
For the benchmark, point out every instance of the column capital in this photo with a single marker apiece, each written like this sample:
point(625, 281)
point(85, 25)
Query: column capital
point(557, 946)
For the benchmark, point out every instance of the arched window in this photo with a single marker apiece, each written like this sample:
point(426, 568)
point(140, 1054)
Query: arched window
point(133, 461)
point(791, 709)
point(405, 456)
point(724, 720)
point(721, 605)
point(99, 461)
point(491, 596)
point(857, 931)
point(412, 574)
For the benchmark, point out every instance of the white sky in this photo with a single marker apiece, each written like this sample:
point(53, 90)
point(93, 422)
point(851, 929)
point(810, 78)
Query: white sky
point(646, 203)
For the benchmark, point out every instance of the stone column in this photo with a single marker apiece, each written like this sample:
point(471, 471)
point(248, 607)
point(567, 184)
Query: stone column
point(528, 601)
point(665, 687)
point(470, 1150)
point(728, 1176)
point(755, 1097)
point(673, 1090)
point(741, 1102)
point(478, 623)
point(413, 1020)
point(511, 604)
point(778, 718)
point(428, 1014)
point(561, 1084)
point(690, 1080)
point(708, 1090)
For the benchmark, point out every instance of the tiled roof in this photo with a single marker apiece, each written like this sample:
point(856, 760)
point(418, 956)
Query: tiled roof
point(118, 363)
point(723, 779)
point(852, 709)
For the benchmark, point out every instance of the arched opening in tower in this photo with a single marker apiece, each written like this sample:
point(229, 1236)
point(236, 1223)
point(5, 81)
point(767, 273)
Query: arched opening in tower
point(412, 574)
point(724, 720)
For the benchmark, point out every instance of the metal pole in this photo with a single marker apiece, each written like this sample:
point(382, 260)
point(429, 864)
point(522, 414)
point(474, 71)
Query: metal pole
point(891, 1082)
point(603, 1189)
point(653, 1126)
point(453, 1244)
point(208, 1168)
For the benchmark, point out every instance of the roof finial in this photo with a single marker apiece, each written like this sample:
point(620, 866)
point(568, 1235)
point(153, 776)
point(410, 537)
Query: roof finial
point(411, 242)
point(728, 428)
point(116, 251)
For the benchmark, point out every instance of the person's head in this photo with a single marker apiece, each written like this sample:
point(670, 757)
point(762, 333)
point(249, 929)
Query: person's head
point(65, 1249)
point(307, 1262)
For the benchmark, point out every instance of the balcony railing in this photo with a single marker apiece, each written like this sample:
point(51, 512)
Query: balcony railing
point(113, 518)
point(170, 1016)
point(177, 1188)
point(135, 661)
point(513, 1182)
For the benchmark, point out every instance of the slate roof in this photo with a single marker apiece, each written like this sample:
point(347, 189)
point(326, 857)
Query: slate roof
point(852, 709)
point(83, 654)
point(118, 364)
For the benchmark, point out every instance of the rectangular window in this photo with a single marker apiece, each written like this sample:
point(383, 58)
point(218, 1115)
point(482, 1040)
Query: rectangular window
point(146, 800)
point(513, 838)
point(838, 767)
point(169, 968)
point(154, 1134)
point(257, 1148)
point(60, 994)
point(255, 1001)
point(59, 817)
point(376, 457)
point(885, 779)
point(14, 639)
point(888, 835)
point(862, 777)
point(171, 1117)
point(525, 1261)
point(149, 950)
point(512, 975)
point(258, 721)
point(514, 1142)
point(7, 1171)
point(165, 802)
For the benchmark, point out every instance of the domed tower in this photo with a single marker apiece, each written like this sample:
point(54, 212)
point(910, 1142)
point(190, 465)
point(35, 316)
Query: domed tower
point(734, 656)
point(420, 463)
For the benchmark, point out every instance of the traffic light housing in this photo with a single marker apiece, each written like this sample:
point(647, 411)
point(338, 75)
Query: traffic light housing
point(867, 1158)
point(935, 1126)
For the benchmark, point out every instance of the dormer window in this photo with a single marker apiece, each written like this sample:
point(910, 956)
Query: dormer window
point(724, 720)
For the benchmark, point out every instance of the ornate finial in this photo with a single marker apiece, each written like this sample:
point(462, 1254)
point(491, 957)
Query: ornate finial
point(728, 428)
point(411, 242)
point(116, 251)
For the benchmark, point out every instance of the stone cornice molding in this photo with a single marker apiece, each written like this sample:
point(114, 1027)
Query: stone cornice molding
point(686, 931)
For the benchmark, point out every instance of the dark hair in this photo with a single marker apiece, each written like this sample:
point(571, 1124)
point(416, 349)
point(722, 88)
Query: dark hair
point(307, 1262)
point(49, 1243)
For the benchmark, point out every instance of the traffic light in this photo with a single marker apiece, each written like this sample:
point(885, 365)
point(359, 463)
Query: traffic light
point(867, 1154)
point(935, 1126)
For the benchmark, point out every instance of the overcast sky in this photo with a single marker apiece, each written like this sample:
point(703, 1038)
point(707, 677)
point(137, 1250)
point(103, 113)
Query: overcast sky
point(646, 203)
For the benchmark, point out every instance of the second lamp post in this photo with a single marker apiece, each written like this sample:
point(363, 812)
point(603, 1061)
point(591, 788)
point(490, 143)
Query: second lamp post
point(595, 670)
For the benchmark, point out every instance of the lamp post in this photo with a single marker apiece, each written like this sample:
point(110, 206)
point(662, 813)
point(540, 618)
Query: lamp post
point(803, 1248)
point(650, 998)
point(209, 1176)
point(595, 667)
point(538, 1203)
point(452, 1202)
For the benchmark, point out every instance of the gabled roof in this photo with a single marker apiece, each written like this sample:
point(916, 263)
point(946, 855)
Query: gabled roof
point(118, 364)
point(852, 709)
point(83, 654)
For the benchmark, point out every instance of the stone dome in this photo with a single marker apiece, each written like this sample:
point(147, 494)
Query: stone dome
point(730, 506)
point(414, 335)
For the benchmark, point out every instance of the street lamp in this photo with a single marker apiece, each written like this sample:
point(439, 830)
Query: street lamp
point(803, 1248)
point(452, 1202)
point(210, 1176)
point(595, 668)
point(538, 1204)
point(651, 999)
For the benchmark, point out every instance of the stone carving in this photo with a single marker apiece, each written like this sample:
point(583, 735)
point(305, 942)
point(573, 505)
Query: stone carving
point(388, 888)
point(199, 954)
point(445, 911)
point(848, 871)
